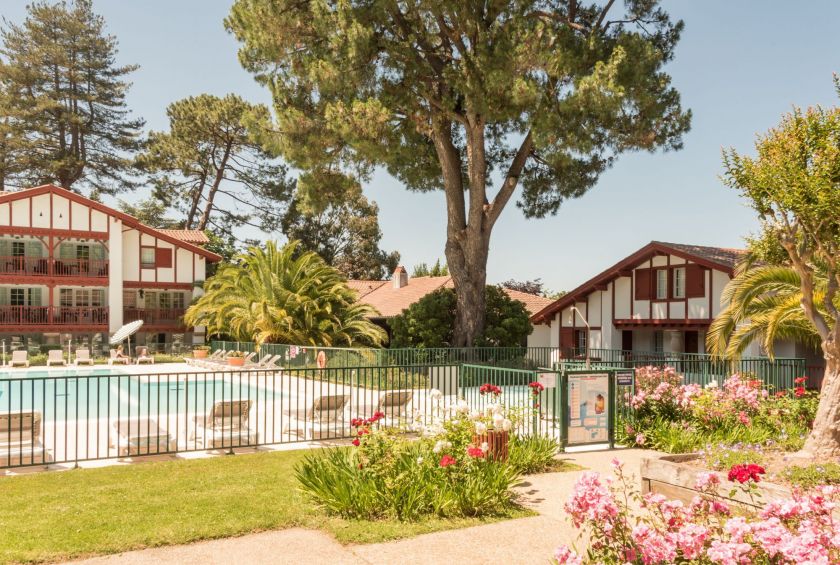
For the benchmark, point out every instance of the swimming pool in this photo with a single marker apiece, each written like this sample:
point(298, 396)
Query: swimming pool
point(61, 372)
point(96, 394)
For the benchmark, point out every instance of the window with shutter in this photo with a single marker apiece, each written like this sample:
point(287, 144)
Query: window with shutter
point(567, 340)
point(163, 258)
point(34, 249)
point(35, 297)
point(130, 298)
point(695, 281)
point(662, 284)
point(642, 284)
point(4, 296)
point(679, 282)
point(147, 257)
point(67, 251)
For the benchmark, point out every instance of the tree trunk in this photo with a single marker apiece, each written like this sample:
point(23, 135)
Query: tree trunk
point(824, 441)
point(466, 258)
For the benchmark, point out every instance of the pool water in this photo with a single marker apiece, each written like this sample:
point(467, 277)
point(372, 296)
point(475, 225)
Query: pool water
point(63, 372)
point(117, 396)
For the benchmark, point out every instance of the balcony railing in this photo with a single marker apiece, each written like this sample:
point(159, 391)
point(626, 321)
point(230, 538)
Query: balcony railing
point(42, 266)
point(53, 315)
point(155, 316)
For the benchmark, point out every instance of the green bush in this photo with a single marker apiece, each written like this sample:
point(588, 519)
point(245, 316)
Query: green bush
point(533, 454)
point(813, 475)
point(723, 457)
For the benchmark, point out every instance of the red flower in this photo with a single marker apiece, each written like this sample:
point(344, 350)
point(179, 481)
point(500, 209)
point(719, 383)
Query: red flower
point(799, 391)
point(744, 473)
point(781, 394)
point(536, 388)
point(375, 418)
point(488, 388)
point(447, 460)
point(356, 442)
point(474, 452)
point(357, 422)
point(800, 380)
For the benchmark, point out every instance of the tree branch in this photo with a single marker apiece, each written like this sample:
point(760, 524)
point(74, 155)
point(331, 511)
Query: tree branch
point(511, 180)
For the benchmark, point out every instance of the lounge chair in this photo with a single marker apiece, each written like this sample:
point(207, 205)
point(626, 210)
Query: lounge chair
point(143, 356)
point(194, 361)
point(55, 357)
point(223, 362)
point(83, 357)
point(213, 360)
point(225, 426)
point(394, 404)
point(20, 357)
point(115, 358)
point(20, 439)
point(140, 436)
point(326, 415)
point(269, 361)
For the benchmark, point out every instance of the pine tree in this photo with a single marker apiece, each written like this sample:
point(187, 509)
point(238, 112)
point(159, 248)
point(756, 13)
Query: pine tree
point(63, 101)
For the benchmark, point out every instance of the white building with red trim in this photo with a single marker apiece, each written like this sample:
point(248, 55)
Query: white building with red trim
point(662, 298)
point(74, 268)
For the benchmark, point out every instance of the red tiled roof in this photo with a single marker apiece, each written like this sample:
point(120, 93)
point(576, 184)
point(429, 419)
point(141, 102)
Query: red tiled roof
point(720, 258)
point(196, 237)
point(390, 301)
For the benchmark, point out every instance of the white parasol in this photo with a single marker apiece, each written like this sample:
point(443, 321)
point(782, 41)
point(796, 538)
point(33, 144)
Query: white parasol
point(126, 332)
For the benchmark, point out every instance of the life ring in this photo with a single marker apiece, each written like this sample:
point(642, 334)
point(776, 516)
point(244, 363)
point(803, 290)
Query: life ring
point(321, 360)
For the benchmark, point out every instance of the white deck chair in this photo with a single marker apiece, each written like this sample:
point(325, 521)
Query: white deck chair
point(83, 357)
point(20, 357)
point(193, 361)
point(113, 359)
point(143, 356)
point(213, 362)
point(55, 357)
point(259, 363)
point(20, 439)
point(140, 436)
point(326, 416)
point(225, 426)
point(394, 404)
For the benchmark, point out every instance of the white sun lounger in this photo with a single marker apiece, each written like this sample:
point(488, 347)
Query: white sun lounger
point(140, 436)
point(394, 404)
point(20, 439)
point(225, 426)
point(20, 357)
point(326, 416)
point(114, 359)
point(55, 357)
point(143, 356)
point(83, 357)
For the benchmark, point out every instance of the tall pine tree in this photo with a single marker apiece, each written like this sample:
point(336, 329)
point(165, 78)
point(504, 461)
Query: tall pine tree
point(63, 101)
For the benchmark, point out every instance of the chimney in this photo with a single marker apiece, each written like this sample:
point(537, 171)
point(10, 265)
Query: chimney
point(400, 277)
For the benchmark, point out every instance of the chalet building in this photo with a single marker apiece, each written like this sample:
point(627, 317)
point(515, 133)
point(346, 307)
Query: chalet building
point(73, 268)
point(662, 299)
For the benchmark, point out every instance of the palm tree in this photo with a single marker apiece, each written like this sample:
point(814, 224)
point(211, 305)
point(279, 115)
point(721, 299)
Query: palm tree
point(277, 295)
point(763, 303)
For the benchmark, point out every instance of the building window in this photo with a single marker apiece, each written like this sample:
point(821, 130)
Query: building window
point(580, 342)
point(147, 257)
point(18, 249)
point(659, 341)
point(662, 284)
point(679, 282)
point(18, 297)
point(65, 297)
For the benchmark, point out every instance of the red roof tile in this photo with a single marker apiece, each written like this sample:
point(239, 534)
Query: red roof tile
point(196, 237)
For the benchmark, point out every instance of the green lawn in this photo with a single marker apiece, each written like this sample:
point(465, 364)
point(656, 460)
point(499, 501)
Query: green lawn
point(60, 515)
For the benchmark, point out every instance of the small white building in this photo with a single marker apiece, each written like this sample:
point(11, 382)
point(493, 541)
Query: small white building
point(662, 299)
point(74, 268)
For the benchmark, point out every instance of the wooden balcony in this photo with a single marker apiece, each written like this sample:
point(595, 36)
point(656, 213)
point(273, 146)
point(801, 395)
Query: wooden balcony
point(19, 266)
point(34, 318)
point(155, 317)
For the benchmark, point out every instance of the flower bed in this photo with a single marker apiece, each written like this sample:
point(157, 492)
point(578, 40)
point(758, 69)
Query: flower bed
point(670, 416)
point(446, 468)
point(622, 525)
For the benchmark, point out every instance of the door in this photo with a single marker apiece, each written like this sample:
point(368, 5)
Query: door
point(691, 342)
point(627, 340)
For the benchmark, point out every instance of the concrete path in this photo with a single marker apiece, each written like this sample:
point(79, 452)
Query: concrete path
point(525, 541)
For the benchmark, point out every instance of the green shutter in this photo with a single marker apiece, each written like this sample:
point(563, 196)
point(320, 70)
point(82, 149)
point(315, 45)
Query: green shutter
point(35, 296)
point(97, 251)
point(5, 248)
point(34, 248)
point(67, 251)
point(4, 296)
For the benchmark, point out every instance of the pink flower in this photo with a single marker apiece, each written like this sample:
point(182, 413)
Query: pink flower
point(728, 553)
point(690, 540)
point(447, 460)
point(475, 452)
point(566, 556)
point(743, 418)
point(640, 439)
point(655, 547)
point(591, 500)
point(706, 480)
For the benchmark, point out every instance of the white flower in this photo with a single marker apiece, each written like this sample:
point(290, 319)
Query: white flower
point(480, 428)
point(498, 420)
point(712, 384)
point(475, 415)
point(435, 394)
point(419, 460)
point(463, 407)
point(441, 445)
point(507, 425)
point(485, 447)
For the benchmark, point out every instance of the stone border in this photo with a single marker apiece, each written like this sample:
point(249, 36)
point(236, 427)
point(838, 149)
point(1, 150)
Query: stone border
point(668, 476)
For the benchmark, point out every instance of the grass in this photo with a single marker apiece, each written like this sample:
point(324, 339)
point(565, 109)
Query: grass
point(70, 514)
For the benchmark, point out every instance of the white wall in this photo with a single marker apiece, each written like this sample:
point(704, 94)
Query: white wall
point(115, 280)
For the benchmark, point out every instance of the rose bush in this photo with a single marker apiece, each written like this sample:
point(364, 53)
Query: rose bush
point(802, 530)
point(667, 415)
point(442, 471)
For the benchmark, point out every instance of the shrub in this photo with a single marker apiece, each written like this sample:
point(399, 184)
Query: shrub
point(622, 526)
point(669, 416)
point(724, 456)
point(812, 476)
point(533, 454)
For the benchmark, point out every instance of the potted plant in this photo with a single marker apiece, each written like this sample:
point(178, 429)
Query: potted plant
point(492, 428)
point(200, 351)
point(236, 358)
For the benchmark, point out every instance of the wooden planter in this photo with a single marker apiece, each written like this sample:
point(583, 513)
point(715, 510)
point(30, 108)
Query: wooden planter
point(236, 361)
point(199, 353)
point(497, 444)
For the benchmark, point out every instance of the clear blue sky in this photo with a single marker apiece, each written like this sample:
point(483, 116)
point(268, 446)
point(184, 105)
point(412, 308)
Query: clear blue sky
point(739, 66)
